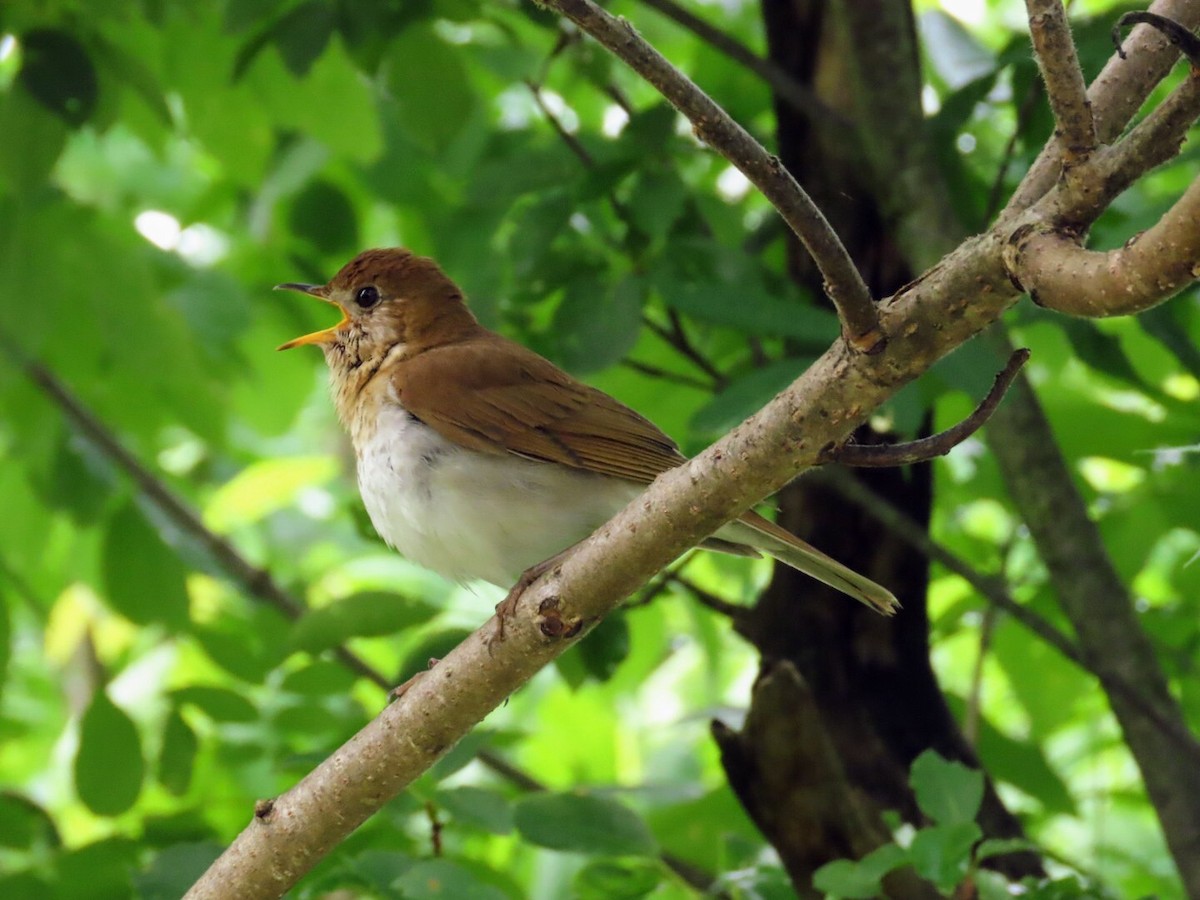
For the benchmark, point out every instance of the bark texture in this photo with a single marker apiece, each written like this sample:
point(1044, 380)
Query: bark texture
point(870, 695)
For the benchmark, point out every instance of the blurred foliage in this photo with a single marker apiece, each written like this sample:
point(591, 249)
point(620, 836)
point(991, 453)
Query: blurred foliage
point(164, 163)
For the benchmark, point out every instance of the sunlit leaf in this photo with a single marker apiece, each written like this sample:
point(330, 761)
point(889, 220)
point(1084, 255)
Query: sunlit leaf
point(369, 614)
point(265, 487)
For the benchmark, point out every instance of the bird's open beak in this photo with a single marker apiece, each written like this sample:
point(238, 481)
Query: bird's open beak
point(325, 336)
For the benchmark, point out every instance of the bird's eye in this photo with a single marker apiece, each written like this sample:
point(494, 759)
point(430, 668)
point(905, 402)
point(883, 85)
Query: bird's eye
point(366, 297)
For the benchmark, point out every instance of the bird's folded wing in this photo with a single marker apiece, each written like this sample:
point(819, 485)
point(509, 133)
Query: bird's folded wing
point(503, 398)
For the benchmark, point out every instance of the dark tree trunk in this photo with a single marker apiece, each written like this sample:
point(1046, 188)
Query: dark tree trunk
point(851, 693)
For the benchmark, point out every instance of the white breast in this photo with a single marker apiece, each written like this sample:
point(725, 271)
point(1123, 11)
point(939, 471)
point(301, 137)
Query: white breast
point(469, 515)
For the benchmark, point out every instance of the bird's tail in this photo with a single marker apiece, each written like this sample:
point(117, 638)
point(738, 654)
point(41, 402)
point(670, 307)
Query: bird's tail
point(765, 535)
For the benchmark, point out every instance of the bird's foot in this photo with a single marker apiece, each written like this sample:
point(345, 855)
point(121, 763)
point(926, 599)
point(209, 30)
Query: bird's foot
point(507, 607)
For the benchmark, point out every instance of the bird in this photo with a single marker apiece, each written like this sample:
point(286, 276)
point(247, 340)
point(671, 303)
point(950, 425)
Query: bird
point(481, 460)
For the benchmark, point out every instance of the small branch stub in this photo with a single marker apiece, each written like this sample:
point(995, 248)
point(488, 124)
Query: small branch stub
point(1186, 41)
point(882, 455)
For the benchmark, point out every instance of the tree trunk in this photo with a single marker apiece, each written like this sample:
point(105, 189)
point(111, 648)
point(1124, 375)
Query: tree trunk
point(863, 701)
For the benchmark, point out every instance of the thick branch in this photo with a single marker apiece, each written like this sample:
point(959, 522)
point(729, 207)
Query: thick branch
point(843, 283)
point(1151, 268)
point(1065, 87)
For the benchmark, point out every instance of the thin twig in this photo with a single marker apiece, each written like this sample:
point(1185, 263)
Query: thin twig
point(708, 598)
point(569, 139)
point(678, 339)
point(790, 90)
point(843, 282)
point(924, 449)
point(1065, 86)
point(993, 589)
point(1188, 43)
point(666, 375)
point(972, 715)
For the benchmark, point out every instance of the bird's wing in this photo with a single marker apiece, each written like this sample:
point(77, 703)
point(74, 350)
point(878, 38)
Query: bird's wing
point(506, 399)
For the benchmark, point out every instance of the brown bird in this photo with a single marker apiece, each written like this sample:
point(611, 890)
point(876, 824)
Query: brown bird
point(480, 459)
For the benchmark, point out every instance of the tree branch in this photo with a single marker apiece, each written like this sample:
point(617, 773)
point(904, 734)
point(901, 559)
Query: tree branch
point(925, 449)
point(1115, 95)
point(1153, 267)
point(962, 295)
point(784, 85)
point(1056, 58)
point(843, 283)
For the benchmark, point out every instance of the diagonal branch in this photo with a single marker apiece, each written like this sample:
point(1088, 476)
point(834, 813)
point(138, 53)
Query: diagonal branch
point(1065, 87)
point(843, 283)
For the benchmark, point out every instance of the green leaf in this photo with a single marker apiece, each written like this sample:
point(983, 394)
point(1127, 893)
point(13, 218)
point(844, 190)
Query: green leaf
point(596, 325)
point(265, 487)
point(862, 878)
point(605, 647)
point(943, 853)
point(108, 765)
point(178, 755)
point(948, 792)
point(33, 140)
point(583, 823)
point(712, 287)
point(175, 869)
point(320, 678)
point(58, 73)
point(100, 869)
point(5, 640)
point(744, 395)
point(656, 200)
point(602, 879)
point(367, 614)
point(1104, 353)
point(418, 60)
point(220, 704)
point(324, 216)
point(143, 578)
point(302, 34)
point(441, 879)
point(482, 808)
point(24, 825)
point(990, 847)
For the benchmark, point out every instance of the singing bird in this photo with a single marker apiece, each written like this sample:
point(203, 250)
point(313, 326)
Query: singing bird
point(478, 458)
